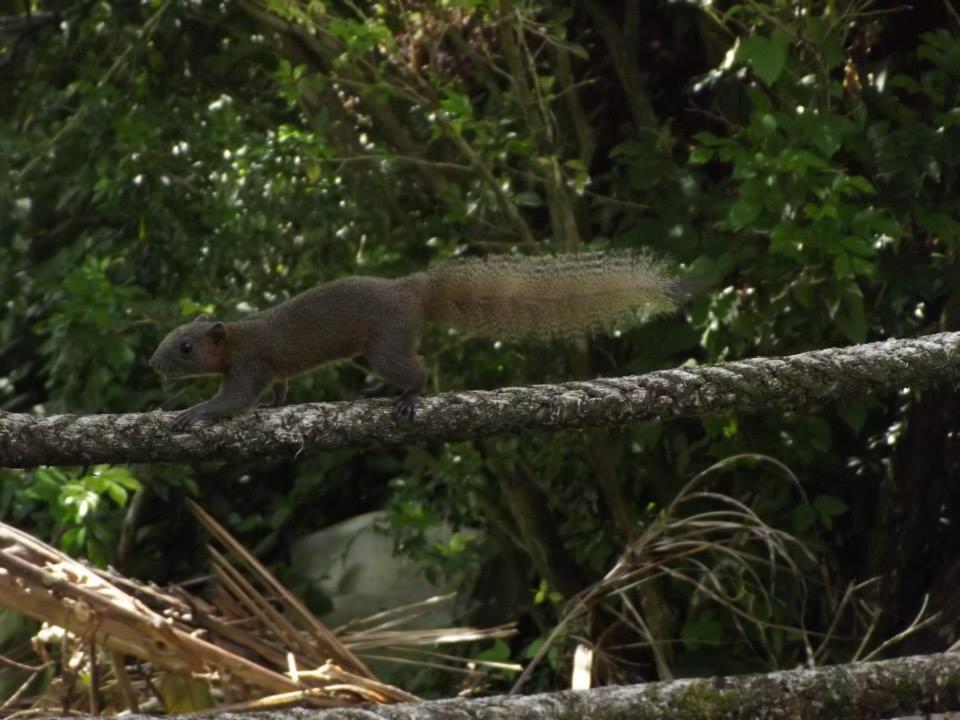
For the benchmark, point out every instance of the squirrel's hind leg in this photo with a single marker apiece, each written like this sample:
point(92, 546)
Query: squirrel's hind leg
point(393, 356)
point(405, 406)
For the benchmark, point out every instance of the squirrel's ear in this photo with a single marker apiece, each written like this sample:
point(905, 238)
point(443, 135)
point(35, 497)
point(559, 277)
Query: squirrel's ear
point(202, 317)
point(217, 332)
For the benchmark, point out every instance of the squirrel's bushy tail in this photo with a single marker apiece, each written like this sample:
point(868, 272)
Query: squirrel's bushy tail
point(510, 296)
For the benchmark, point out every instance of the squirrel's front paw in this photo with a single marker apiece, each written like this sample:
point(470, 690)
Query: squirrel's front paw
point(185, 419)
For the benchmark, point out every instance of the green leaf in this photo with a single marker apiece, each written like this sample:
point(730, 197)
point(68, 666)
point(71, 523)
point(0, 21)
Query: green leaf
point(528, 199)
point(803, 293)
point(700, 155)
point(828, 507)
point(826, 132)
point(46, 485)
point(708, 138)
point(544, 594)
point(705, 627)
point(499, 651)
point(190, 308)
point(117, 493)
point(531, 650)
point(850, 317)
point(579, 50)
point(457, 105)
point(843, 267)
point(786, 239)
point(73, 539)
point(802, 518)
point(743, 212)
point(858, 182)
point(854, 413)
point(766, 56)
point(857, 246)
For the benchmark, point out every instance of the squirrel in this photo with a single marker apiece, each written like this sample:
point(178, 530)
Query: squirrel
point(382, 319)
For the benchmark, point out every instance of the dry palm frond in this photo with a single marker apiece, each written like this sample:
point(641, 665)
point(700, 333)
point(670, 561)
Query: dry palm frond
point(715, 545)
point(724, 555)
point(377, 632)
point(248, 644)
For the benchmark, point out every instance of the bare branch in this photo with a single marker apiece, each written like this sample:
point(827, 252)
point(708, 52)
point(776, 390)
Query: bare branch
point(904, 686)
point(742, 386)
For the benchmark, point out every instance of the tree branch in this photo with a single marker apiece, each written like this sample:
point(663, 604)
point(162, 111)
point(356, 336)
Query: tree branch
point(904, 686)
point(742, 386)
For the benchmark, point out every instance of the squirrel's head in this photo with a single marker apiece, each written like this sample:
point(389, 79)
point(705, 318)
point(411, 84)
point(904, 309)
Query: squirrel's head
point(196, 348)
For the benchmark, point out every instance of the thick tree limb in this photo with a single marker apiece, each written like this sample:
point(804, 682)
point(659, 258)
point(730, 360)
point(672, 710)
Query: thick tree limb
point(742, 386)
point(911, 685)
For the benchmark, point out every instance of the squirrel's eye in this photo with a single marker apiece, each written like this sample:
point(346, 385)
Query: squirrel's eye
point(185, 347)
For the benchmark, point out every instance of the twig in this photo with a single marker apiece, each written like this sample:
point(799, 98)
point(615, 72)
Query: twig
point(912, 628)
point(123, 682)
point(19, 692)
point(10, 663)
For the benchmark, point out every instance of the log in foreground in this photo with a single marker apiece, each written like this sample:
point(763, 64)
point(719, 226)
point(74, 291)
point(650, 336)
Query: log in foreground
point(742, 386)
point(891, 688)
